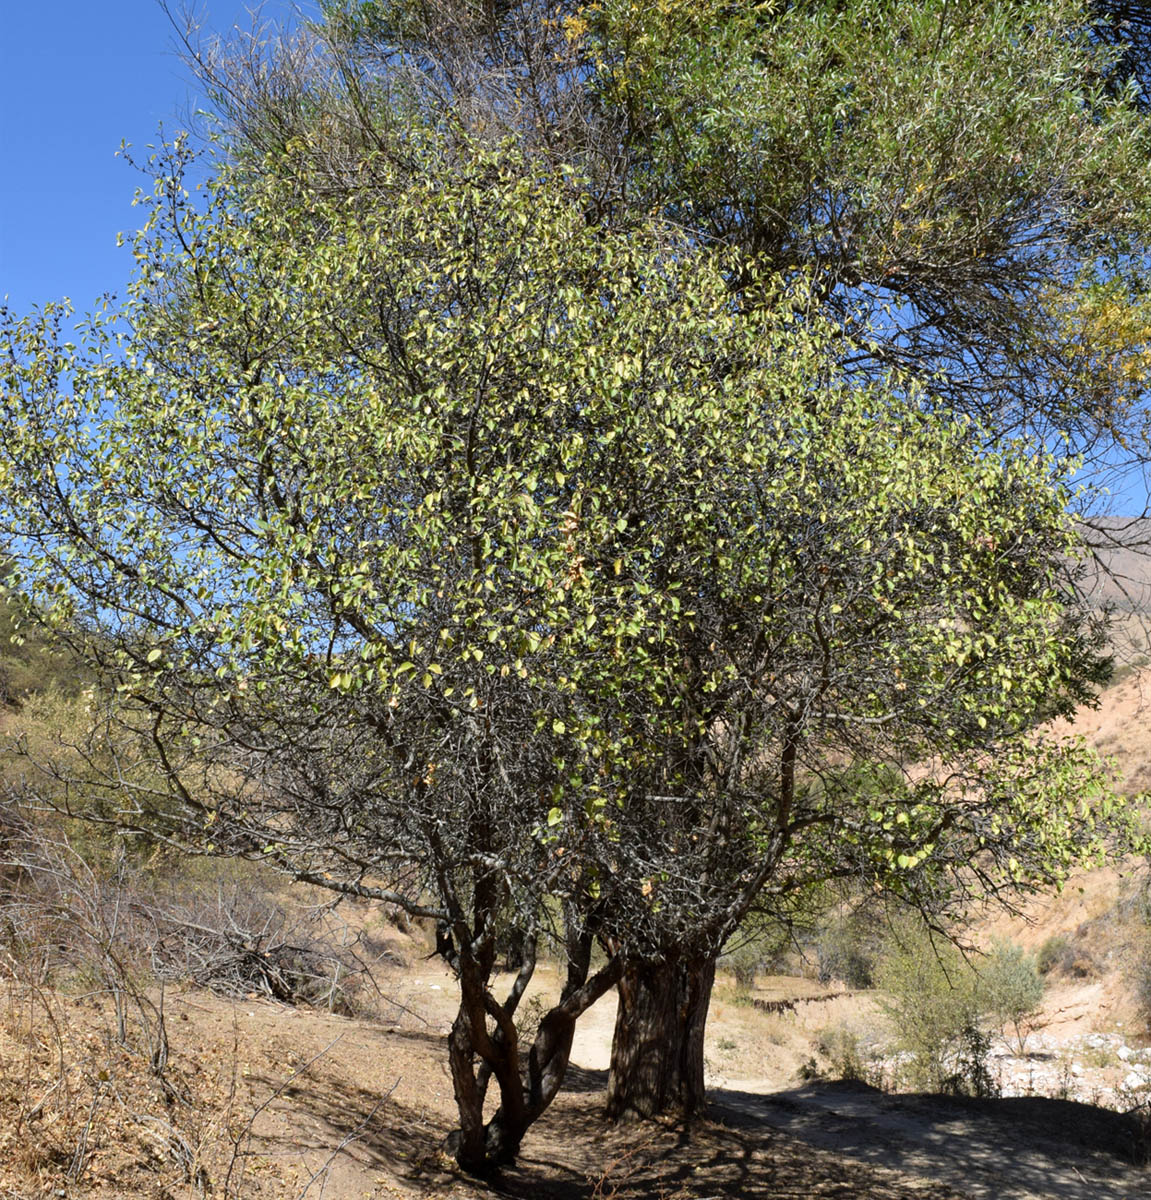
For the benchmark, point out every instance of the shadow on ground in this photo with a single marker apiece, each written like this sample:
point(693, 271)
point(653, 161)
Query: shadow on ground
point(1011, 1149)
point(822, 1141)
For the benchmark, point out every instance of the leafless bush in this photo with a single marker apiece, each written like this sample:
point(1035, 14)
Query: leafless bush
point(74, 1093)
point(72, 938)
point(85, 953)
point(117, 932)
point(64, 923)
point(237, 941)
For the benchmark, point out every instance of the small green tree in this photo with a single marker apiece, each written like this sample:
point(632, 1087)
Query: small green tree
point(1010, 982)
point(933, 1000)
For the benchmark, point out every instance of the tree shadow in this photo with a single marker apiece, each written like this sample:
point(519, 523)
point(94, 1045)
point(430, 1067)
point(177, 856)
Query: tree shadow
point(680, 1161)
point(742, 1153)
point(1018, 1146)
point(571, 1154)
point(582, 1081)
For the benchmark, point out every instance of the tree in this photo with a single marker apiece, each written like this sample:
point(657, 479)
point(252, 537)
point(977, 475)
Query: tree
point(964, 184)
point(1126, 25)
point(304, 524)
point(436, 545)
point(866, 621)
point(954, 181)
point(698, 774)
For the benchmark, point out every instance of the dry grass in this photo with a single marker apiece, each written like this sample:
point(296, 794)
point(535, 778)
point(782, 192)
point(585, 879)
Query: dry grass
point(85, 1111)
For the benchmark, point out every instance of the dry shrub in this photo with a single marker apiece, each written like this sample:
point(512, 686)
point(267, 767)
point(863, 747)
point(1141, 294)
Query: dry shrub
point(756, 947)
point(78, 1106)
point(114, 929)
point(847, 947)
point(68, 925)
point(92, 1095)
point(237, 941)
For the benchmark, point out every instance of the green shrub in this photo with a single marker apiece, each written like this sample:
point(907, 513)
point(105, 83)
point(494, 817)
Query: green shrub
point(1139, 960)
point(936, 1009)
point(755, 947)
point(849, 1056)
point(1064, 954)
point(1009, 981)
point(1053, 953)
point(846, 949)
point(744, 963)
point(970, 1074)
point(29, 664)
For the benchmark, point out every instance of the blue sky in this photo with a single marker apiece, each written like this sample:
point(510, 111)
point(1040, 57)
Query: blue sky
point(77, 77)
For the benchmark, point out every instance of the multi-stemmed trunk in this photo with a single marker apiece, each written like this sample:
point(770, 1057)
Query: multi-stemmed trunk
point(527, 1083)
point(656, 1064)
point(657, 1059)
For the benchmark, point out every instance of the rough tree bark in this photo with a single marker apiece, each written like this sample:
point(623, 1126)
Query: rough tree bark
point(657, 1048)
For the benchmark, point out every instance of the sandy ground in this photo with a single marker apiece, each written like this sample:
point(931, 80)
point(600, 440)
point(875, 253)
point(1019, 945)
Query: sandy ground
point(262, 1102)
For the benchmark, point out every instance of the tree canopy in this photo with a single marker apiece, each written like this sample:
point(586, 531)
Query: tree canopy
point(437, 544)
point(963, 186)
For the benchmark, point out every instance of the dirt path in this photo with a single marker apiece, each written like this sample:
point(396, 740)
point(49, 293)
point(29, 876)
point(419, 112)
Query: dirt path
point(1016, 1149)
point(1013, 1149)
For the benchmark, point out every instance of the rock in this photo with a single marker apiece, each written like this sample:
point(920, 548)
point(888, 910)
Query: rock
point(1125, 1053)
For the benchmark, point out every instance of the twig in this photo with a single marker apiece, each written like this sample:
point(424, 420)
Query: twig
point(347, 1140)
point(246, 1132)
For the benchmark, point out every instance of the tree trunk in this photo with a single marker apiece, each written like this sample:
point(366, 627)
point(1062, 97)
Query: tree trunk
point(547, 1064)
point(657, 1049)
point(466, 1143)
point(477, 1055)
